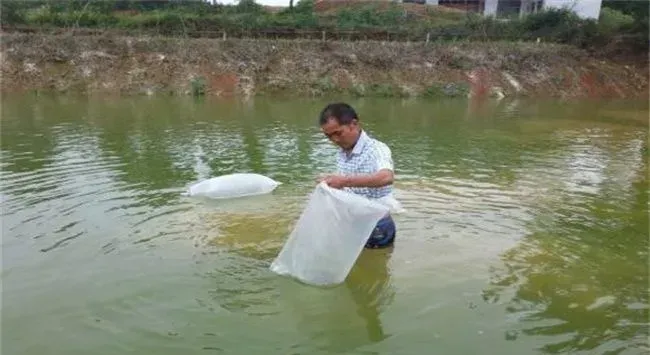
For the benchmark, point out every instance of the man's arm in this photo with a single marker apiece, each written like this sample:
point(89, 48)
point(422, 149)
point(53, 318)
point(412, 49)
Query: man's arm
point(383, 165)
point(381, 178)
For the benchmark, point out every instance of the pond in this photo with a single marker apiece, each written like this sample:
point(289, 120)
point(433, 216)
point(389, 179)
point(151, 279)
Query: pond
point(526, 229)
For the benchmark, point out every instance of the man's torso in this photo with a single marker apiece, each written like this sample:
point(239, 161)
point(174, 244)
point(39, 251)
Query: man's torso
point(368, 156)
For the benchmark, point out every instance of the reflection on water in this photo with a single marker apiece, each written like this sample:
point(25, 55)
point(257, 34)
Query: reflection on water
point(370, 287)
point(581, 276)
point(526, 229)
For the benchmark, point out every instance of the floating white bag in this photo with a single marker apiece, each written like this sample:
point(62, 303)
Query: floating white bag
point(328, 237)
point(233, 185)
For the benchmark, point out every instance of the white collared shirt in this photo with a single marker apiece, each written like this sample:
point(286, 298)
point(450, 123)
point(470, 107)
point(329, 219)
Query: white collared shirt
point(367, 157)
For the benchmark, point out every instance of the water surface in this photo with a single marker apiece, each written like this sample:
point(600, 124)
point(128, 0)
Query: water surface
point(526, 230)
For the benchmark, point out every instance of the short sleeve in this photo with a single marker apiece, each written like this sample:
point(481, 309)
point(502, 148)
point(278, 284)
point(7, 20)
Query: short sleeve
point(383, 157)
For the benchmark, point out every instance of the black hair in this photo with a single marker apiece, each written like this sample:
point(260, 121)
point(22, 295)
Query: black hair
point(341, 112)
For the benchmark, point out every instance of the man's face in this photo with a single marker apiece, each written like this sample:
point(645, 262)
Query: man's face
point(342, 135)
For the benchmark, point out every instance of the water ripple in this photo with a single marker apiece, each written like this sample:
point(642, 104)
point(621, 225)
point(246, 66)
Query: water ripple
point(552, 211)
point(62, 242)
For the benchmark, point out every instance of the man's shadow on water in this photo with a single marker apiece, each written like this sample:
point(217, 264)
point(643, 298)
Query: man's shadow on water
point(348, 316)
point(370, 288)
point(336, 319)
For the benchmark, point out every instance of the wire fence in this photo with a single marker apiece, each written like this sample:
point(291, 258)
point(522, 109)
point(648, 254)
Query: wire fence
point(268, 34)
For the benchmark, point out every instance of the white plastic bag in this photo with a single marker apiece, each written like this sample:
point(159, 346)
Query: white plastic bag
point(391, 202)
point(233, 185)
point(328, 237)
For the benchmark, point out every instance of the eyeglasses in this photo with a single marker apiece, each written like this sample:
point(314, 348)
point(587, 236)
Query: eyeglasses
point(334, 134)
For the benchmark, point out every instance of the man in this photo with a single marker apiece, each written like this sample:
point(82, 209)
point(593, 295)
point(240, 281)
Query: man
point(365, 165)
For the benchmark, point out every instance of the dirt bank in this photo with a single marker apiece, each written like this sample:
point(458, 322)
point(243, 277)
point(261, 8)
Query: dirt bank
point(108, 64)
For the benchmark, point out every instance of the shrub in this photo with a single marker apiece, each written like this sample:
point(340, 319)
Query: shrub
point(612, 21)
point(11, 12)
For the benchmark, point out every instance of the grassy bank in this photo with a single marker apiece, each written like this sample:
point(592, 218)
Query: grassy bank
point(178, 66)
point(624, 28)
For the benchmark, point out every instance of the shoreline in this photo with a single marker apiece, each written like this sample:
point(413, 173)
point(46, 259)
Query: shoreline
point(125, 66)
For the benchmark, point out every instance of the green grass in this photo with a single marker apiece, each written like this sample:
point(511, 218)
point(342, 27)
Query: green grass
point(373, 20)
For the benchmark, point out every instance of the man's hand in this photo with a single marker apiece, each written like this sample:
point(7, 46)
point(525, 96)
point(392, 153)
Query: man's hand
point(334, 181)
point(381, 178)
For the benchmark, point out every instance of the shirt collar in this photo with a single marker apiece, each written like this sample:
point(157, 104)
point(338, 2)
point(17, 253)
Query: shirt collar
point(358, 147)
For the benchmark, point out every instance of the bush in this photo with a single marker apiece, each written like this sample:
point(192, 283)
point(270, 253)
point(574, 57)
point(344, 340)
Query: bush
point(612, 21)
point(248, 7)
point(304, 7)
point(11, 12)
point(556, 25)
point(372, 17)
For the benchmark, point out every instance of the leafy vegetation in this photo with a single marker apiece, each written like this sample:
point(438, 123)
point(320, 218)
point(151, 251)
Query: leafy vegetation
point(624, 20)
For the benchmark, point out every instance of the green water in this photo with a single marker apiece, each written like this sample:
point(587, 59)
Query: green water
point(526, 230)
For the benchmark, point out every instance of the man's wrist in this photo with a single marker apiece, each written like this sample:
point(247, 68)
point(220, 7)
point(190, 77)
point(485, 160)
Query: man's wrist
point(347, 181)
